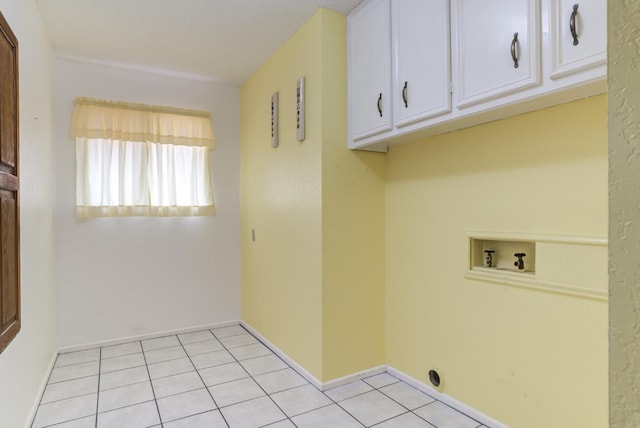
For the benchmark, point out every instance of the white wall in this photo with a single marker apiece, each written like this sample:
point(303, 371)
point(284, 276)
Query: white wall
point(24, 364)
point(120, 277)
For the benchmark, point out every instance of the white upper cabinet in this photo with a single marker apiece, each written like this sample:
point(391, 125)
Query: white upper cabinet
point(369, 47)
point(424, 67)
point(399, 68)
point(422, 76)
point(496, 48)
point(578, 30)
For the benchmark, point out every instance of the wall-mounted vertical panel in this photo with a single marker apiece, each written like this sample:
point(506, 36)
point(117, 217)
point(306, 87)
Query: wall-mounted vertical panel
point(624, 212)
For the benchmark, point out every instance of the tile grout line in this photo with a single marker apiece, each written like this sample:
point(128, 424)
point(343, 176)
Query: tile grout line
point(123, 355)
point(307, 382)
point(128, 384)
point(69, 380)
point(343, 409)
point(395, 401)
point(58, 424)
point(459, 411)
point(225, 383)
point(170, 395)
point(366, 392)
point(338, 404)
point(435, 400)
point(155, 400)
point(408, 409)
point(202, 380)
point(230, 362)
point(75, 364)
point(71, 397)
point(98, 391)
point(256, 382)
point(68, 398)
point(392, 418)
point(45, 390)
point(228, 350)
point(288, 389)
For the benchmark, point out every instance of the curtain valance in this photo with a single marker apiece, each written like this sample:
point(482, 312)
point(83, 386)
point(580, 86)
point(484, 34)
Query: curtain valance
point(122, 121)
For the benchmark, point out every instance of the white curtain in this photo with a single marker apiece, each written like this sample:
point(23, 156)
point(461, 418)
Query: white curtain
point(134, 159)
point(121, 121)
point(179, 177)
point(125, 178)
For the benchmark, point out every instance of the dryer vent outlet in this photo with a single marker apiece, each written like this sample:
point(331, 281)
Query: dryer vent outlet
point(434, 377)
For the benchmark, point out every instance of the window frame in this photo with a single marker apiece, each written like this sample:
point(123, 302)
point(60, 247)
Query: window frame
point(122, 127)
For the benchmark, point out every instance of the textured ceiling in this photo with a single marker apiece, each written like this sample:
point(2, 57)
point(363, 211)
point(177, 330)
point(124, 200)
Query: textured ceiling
point(224, 40)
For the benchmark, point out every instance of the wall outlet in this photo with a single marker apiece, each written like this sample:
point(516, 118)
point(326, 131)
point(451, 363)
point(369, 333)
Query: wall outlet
point(274, 120)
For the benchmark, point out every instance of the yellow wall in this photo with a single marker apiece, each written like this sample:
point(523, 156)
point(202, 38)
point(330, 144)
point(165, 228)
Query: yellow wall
point(624, 208)
point(280, 197)
point(359, 258)
point(313, 281)
point(524, 357)
point(352, 227)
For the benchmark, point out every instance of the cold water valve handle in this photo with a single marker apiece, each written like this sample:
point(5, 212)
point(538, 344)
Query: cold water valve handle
point(488, 258)
point(519, 263)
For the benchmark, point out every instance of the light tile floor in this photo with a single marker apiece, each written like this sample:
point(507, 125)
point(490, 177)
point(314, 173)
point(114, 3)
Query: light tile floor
point(222, 377)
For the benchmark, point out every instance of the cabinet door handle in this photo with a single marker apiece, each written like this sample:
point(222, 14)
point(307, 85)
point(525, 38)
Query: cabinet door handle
point(572, 24)
point(404, 95)
point(514, 50)
point(380, 104)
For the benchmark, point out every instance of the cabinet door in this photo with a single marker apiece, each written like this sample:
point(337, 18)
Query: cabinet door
point(370, 69)
point(587, 21)
point(422, 83)
point(9, 184)
point(497, 48)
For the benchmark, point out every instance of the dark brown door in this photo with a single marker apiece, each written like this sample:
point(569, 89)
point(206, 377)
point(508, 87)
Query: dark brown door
point(9, 184)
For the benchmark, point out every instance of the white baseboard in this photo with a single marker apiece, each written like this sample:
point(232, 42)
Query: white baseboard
point(119, 341)
point(353, 377)
point(446, 399)
point(297, 367)
point(308, 376)
point(43, 386)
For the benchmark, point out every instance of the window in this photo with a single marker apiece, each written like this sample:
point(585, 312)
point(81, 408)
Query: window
point(133, 159)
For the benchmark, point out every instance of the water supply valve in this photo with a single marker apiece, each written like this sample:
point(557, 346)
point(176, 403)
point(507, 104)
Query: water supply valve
point(519, 263)
point(488, 257)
